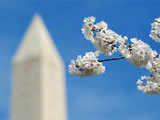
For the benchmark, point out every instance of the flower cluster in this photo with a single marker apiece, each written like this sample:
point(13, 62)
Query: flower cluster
point(86, 65)
point(107, 42)
point(138, 53)
point(104, 39)
point(154, 64)
point(149, 84)
point(155, 30)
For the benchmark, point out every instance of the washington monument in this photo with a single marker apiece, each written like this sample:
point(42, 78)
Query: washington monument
point(38, 85)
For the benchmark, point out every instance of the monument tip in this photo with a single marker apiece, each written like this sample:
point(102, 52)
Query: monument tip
point(36, 42)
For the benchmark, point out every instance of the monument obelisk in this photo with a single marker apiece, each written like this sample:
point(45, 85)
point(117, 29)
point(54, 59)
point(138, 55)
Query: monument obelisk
point(38, 87)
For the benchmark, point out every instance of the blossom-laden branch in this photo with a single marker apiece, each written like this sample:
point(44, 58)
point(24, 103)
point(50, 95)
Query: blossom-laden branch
point(108, 42)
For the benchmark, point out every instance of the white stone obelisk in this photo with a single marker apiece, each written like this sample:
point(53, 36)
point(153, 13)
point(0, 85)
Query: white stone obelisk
point(38, 90)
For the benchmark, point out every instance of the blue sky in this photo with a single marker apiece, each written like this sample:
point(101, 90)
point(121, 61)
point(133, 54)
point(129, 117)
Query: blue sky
point(110, 96)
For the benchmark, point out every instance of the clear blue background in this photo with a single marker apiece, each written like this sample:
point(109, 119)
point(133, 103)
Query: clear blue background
point(112, 96)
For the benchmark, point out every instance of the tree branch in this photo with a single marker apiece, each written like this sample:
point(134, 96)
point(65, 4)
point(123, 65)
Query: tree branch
point(112, 59)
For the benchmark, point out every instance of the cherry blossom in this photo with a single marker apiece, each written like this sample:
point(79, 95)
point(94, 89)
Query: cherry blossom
point(155, 30)
point(108, 42)
point(86, 65)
